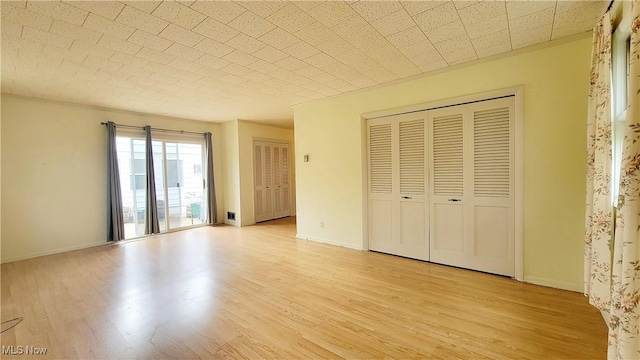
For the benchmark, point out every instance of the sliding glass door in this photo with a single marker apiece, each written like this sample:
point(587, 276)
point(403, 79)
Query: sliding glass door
point(185, 184)
point(179, 177)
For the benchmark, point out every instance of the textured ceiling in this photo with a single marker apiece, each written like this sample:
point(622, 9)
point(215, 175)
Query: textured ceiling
point(223, 60)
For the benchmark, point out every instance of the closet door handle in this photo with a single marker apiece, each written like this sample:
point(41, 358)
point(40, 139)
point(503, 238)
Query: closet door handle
point(407, 197)
point(454, 200)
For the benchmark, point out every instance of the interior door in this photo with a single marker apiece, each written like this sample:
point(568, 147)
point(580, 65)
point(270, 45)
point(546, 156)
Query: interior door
point(277, 181)
point(284, 181)
point(268, 181)
point(410, 194)
point(380, 185)
point(271, 180)
point(258, 176)
point(492, 231)
point(263, 181)
point(449, 196)
point(441, 185)
point(280, 180)
point(397, 186)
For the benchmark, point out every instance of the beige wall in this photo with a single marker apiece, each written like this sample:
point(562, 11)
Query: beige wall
point(54, 173)
point(0, 179)
point(247, 132)
point(238, 166)
point(555, 80)
point(231, 172)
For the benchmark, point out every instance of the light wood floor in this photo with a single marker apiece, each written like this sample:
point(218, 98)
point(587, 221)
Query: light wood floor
point(257, 292)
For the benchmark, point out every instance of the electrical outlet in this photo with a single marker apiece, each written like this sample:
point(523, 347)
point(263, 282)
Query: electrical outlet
point(322, 224)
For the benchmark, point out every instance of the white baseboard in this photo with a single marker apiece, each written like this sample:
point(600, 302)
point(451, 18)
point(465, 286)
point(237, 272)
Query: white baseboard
point(554, 283)
point(327, 241)
point(56, 251)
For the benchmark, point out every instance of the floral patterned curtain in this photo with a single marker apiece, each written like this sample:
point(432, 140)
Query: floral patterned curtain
point(624, 320)
point(612, 256)
point(599, 215)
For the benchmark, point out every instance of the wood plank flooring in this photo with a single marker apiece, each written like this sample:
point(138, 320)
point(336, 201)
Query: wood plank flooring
point(257, 292)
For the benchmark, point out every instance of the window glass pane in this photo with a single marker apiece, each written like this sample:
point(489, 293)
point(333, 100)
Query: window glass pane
point(619, 92)
point(193, 190)
point(132, 168)
point(184, 184)
point(174, 173)
point(628, 69)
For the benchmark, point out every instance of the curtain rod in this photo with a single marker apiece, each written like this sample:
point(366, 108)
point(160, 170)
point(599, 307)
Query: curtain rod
point(156, 129)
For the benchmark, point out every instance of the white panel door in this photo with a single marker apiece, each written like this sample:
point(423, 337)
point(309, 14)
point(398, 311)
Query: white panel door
point(281, 180)
point(268, 181)
point(258, 178)
point(286, 198)
point(380, 185)
point(441, 185)
point(397, 186)
point(277, 176)
point(410, 195)
point(271, 178)
point(492, 232)
point(449, 201)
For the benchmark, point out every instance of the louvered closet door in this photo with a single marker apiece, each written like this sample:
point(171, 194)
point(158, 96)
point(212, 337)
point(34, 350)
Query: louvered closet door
point(271, 177)
point(380, 185)
point(286, 188)
point(277, 172)
point(449, 193)
point(410, 195)
point(397, 186)
point(492, 214)
point(281, 180)
point(258, 175)
point(268, 181)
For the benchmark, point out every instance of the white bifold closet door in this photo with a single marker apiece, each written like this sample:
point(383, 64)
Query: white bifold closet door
point(492, 205)
point(271, 178)
point(441, 185)
point(449, 199)
point(397, 186)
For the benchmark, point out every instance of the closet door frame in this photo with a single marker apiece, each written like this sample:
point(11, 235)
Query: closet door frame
point(256, 140)
point(518, 93)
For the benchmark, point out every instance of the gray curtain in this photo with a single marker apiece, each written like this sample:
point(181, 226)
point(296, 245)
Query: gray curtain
point(114, 207)
point(212, 209)
point(151, 223)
